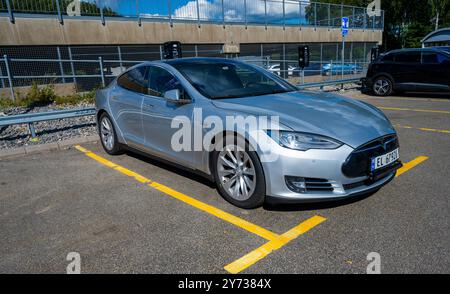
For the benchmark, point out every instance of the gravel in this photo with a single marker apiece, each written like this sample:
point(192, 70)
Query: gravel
point(46, 131)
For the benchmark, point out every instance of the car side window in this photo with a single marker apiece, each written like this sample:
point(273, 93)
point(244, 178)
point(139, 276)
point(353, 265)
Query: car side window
point(162, 81)
point(432, 58)
point(248, 79)
point(135, 80)
point(408, 57)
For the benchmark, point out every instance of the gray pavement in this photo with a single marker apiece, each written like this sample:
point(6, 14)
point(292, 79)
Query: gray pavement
point(57, 202)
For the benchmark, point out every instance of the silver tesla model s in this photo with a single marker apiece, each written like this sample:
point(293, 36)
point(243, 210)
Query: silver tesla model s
point(316, 146)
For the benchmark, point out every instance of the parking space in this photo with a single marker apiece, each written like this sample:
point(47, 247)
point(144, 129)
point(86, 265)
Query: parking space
point(133, 214)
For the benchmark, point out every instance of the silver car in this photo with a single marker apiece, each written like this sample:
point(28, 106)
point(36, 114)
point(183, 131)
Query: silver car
point(318, 146)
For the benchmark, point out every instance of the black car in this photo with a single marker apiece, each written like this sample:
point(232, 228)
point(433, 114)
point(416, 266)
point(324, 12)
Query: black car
point(418, 70)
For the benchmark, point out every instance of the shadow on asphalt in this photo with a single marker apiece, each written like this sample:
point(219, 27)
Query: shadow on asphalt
point(317, 205)
point(179, 170)
point(425, 95)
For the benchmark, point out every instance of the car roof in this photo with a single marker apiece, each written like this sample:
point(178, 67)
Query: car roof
point(416, 50)
point(199, 59)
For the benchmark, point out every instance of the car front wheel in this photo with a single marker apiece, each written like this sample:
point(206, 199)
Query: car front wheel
point(382, 86)
point(239, 177)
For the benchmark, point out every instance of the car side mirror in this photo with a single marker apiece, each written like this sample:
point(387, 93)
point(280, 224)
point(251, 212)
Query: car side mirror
point(175, 96)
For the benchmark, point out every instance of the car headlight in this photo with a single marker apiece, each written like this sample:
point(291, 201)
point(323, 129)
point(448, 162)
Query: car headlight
point(303, 141)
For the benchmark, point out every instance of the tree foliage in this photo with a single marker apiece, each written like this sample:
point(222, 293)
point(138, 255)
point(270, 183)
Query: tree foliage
point(407, 21)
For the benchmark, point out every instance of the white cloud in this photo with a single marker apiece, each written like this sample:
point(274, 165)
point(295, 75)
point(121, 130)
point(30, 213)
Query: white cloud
point(234, 10)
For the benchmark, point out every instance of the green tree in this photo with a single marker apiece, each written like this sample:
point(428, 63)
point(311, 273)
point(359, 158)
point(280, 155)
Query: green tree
point(440, 10)
point(406, 22)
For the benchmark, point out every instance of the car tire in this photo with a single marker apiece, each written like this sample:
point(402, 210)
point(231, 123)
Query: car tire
point(382, 86)
point(108, 135)
point(248, 189)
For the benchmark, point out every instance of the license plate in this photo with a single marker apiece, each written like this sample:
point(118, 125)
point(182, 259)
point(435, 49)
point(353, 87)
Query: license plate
point(384, 160)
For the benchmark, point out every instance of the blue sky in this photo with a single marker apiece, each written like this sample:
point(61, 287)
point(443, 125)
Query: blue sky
point(209, 9)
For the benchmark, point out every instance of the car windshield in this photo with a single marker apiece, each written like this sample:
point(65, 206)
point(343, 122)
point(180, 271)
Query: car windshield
point(220, 80)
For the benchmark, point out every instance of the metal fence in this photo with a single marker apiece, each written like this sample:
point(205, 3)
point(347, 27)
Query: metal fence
point(259, 12)
point(16, 75)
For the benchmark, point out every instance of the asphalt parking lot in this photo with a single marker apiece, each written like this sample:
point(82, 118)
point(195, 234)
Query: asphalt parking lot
point(130, 214)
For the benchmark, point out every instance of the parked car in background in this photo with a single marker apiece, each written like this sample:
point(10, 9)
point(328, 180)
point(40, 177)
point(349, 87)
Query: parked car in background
point(314, 69)
point(337, 68)
point(426, 69)
point(276, 69)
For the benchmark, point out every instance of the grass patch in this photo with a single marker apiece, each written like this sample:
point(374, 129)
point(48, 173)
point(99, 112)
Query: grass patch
point(41, 96)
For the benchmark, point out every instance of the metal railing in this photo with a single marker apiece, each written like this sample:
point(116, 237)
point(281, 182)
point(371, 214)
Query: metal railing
point(31, 118)
point(321, 85)
point(259, 12)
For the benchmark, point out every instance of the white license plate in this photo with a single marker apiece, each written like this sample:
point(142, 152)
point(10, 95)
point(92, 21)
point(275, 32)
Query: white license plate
point(384, 160)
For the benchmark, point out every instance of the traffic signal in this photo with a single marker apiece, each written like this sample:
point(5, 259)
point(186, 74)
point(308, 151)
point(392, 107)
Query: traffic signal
point(172, 50)
point(303, 56)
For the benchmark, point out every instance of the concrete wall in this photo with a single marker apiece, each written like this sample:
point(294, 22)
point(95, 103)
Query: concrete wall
point(48, 31)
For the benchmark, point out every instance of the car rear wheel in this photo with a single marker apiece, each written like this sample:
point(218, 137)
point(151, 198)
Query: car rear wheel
point(382, 86)
point(108, 135)
point(239, 176)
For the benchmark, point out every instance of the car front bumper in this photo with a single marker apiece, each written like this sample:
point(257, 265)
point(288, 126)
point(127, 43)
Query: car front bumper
point(323, 166)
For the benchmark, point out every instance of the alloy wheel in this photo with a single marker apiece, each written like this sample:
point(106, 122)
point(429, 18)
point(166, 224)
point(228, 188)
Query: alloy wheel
point(382, 87)
point(236, 173)
point(107, 133)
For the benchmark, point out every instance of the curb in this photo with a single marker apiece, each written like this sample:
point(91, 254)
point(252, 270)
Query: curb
point(33, 149)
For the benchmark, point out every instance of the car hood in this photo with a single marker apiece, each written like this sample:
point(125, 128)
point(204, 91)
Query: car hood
point(348, 120)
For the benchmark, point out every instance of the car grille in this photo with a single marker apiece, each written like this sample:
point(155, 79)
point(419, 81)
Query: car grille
point(318, 185)
point(358, 162)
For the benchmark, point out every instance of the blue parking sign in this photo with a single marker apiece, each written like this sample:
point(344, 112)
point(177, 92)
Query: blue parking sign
point(345, 25)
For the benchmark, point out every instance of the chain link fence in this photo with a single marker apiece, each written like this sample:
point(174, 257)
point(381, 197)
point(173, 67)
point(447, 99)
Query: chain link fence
point(83, 68)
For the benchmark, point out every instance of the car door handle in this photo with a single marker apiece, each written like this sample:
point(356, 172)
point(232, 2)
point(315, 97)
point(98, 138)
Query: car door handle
point(148, 106)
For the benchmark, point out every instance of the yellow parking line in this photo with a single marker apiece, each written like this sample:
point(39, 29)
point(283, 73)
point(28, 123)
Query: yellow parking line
point(424, 129)
point(275, 241)
point(415, 110)
point(409, 165)
point(239, 222)
point(261, 252)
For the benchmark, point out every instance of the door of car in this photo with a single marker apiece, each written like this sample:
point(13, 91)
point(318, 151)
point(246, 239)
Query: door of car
point(436, 70)
point(162, 118)
point(406, 71)
point(126, 100)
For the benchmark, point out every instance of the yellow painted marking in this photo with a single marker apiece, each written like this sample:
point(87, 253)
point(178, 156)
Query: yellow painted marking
point(415, 110)
point(409, 165)
point(261, 252)
point(264, 233)
point(434, 130)
point(424, 129)
point(239, 222)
